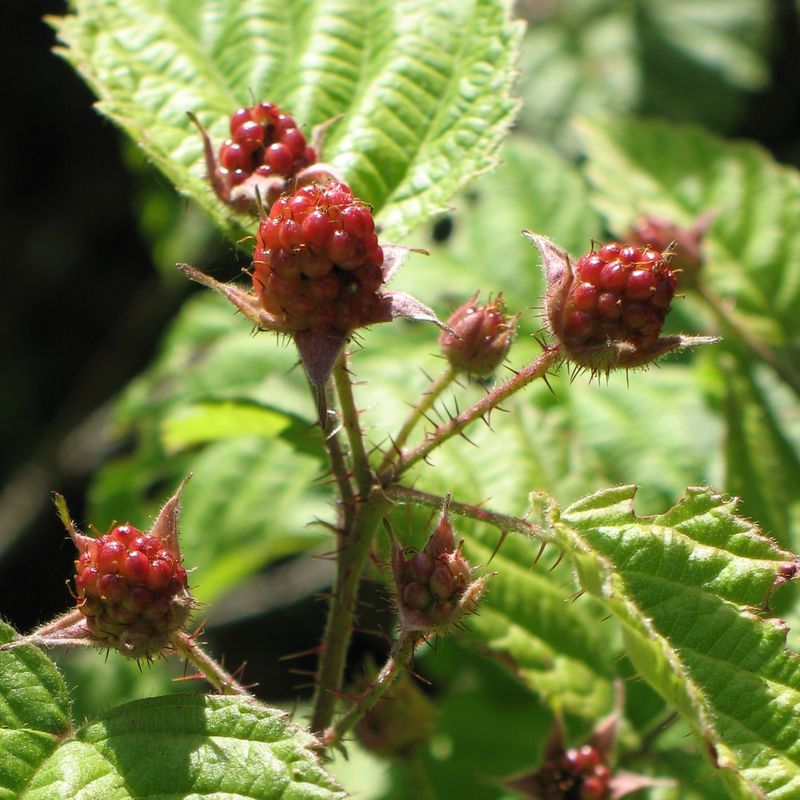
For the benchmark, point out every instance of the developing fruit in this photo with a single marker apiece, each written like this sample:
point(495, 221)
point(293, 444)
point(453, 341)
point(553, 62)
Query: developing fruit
point(619, 294)
point(317, 261)
point(132, 590)
point(265, 151)
point(434, 587)
point(606, 311)
point(480, 338)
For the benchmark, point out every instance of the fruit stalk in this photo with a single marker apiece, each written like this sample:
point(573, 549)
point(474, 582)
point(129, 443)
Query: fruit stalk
point(349, 412)
point(186, 646)
point(536, 369)
point(339, 626)
point(437, 386)
point(399, 659)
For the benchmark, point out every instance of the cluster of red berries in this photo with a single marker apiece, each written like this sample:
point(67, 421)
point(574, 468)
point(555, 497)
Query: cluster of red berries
point(584, 765)
point(264, 141)
point(620, 294)
point(132, 591)
point(317, 262)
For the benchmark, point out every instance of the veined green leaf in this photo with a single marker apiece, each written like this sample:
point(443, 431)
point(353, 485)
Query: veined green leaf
point(185, 746)
point(689, 588)
point(679, 172)
point(423, 89)
point(34, 713)
point(213, 421)
point(761, 465)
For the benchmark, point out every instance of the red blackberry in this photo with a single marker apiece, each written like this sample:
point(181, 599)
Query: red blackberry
point(264, 141)
point(265, 152)
point(132, 590)
point(619, 294)
point(317, 262)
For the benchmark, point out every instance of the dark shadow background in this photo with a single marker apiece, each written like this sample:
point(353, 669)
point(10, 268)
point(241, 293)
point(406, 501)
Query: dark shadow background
point(83, 305)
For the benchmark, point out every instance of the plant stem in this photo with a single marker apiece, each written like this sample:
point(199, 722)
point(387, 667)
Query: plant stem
point(338, 629)
point(349, 412)
point(398, 660)
point(214, 673)
point(445, 431)
point(503, 522)
point(728, 318)
point(339, 467)
point(437, 386)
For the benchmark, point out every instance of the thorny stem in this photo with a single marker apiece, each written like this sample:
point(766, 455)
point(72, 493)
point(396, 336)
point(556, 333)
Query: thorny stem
point(437, 386)
point(213, 672)
point(398, 660)
point(536, 369)
point(339, 467)
point(349, 412)
point(339, 626)
point(727, 317)
point(503, 522)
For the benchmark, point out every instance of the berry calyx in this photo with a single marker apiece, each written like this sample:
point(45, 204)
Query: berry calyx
point(480, 336)
point(317, 261)
point(132, 590)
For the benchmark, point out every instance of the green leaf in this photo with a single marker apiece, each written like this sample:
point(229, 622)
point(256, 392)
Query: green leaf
point(761, 465)
point(689, 587)
point(423, 88)
point(213, 421)
point(252, 496)
point(698, 59)
point(686, 60)
point(578, 57)
point(182, 746)
point(556, 648)
point(34, 713)
point(534, 187)
point(677, 172)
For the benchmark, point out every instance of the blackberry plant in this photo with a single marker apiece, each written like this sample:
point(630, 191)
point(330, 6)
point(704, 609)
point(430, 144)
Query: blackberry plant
point(505, 492)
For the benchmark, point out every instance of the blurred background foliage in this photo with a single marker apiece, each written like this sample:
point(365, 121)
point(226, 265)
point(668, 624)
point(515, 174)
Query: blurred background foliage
point(119, 372)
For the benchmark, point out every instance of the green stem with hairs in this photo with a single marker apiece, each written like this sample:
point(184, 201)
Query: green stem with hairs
point(536, 369)
point(344, 388)
point(186, 645)
point(339, 627)
point(727, 317)
point(437, 386)
point(398, 660)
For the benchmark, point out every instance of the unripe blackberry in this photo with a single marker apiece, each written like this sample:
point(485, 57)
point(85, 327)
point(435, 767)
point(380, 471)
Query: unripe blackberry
point(606, 310)
point(263, 141)
point(132, 590)
point(265, 153)
point(619, 294)
point(434, 585)
point(480, 336)
point(317, 261)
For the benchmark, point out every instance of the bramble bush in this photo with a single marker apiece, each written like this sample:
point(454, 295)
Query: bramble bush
point(477, 445)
